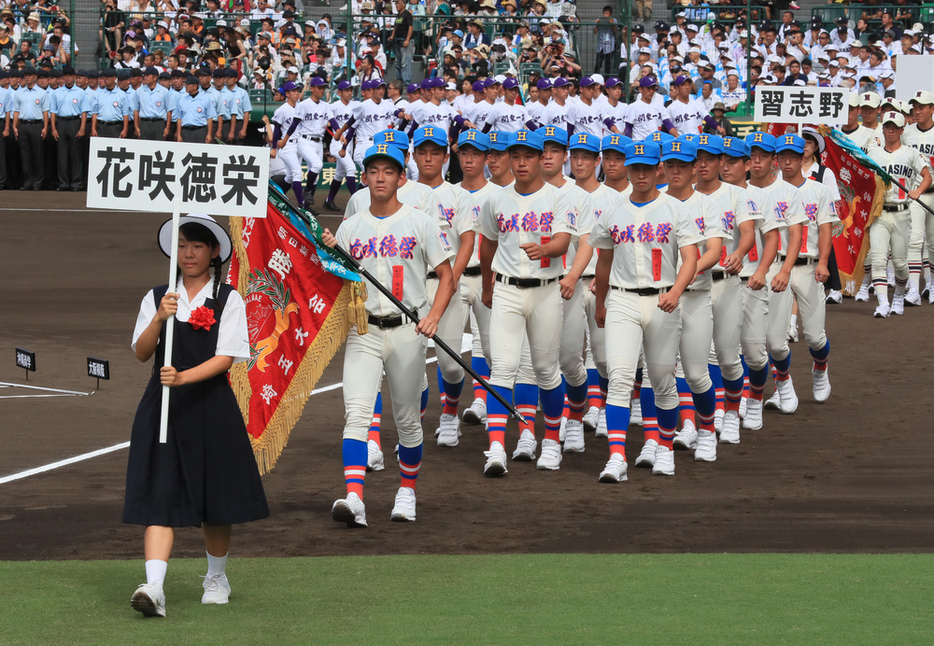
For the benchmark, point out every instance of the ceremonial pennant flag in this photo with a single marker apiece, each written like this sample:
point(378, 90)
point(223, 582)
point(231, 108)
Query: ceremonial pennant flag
point(862, 192)
point(297, 317)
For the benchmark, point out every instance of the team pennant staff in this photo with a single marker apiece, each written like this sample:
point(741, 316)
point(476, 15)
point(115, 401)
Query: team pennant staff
point(315, 229)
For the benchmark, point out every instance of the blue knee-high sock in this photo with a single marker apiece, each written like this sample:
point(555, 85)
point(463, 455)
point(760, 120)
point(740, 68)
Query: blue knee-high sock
point(820, 356)
point(424, 403)
point(577, 400)
point(782, 366)
point(311, 183)
point(667, 423)
point(649, 414)
point(410, 461)
point(373, 433)
point(299, 195)
point(604, 384)
point(352, 184)
point(496, 415)
point(354, 455)
point(733, 393)
point(452, 395)
point(552, 405)
point(617, 422)
point(716, 375)
point(757, 379)
point(706, 405)
point(441, 391)
point(334, 188)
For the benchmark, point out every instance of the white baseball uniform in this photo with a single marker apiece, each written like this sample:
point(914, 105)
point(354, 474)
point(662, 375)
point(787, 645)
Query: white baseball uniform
point(646, 118)
point(921, 240)
point(341, 113)
point(812, 304)
point(283, 117)
point(600, 200)
point(313, 117)
point(369, 118)
point(756, 301)
point(469, 206)
point(865, 138)
point(688, 117)
point(508, 118)
point(410, 193)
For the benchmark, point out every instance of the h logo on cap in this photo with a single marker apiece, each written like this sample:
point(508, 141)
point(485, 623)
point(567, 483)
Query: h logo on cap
point(758, 137)
point(614, 140)
point(582, 138)
point(494, 137)
point(640, 149)
point(382, 149)
point(390, 135)
point(675, 146)
point(728, 143)
point(520, 136)
point(550, 131)
point(703, 140)
point(656, 136)
point(429, 132)
point(471, 135)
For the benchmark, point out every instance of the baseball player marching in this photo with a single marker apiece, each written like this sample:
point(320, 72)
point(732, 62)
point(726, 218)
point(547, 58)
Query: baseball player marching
point(920, 136)
point(339, 113)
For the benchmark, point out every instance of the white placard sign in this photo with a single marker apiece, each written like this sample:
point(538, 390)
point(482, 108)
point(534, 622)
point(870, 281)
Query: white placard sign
point(817, 105)
point(214, 179)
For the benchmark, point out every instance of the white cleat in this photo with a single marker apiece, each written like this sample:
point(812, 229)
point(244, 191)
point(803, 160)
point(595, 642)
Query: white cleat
point(646, 459)
point(615, 470)
point(862, 296)
point(930, 295)
point(216, 590)
point(882, 311)
point(349, 510)
point(789, 399)
point(591, 419)
point(743, 403)
point(635, 412)
point(775, 401)
point(149, 599)
point(404, 509)
point(835, 297)
point(912, 297)
point(898, 305)
point(730, 432)
point(574, 437)
point(562, 432)
point(476, 414)
point(753, 419)
point(821, 384)
point(550, 459)
point(601, 425)
point(525, 447)
point(495, 461)
point(706, 446)
point(718, 419)
point(450, 430)
point(686, 439)
point(664, 462)
point(374, 457)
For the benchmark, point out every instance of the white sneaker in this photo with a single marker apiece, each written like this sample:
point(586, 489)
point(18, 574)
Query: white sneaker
point(743, 403)
point(774, 402)
point(926, 292)
point(216, 590)
point(664, 462)
point(789, 398)
point(476, 414)
point(591, 419)
point(374, 456)
point(730, 432)
point(550, 459)
point(574, 437)
point(821, 384)
point(149, 599)
point(450, 430)
point(635, 412)
point(525, 447)
point(718, 419)
point(898, 304)
point(862, 296)
point(615, 470)
point(404, 509)
point(686, 439)
point(882, 311)
point(753, 419)
point(495, 461)
point(890, 273)
point(930, 295)
point(913, 297)
point(792, 334)
point(349, 510)
point(646, 459)
point(706, 446)
point(562, 432)
point(601, 424)
point(835, 297)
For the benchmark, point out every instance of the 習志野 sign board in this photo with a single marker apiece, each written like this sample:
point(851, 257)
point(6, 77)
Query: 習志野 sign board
point(141, 175)
point(796, 104)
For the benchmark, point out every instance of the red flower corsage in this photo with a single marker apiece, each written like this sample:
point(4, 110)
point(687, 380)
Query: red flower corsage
point(202, 318)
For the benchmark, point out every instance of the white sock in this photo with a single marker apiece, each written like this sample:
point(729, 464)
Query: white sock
point(216, 564)
point(794, 320)
point(882, 294)
point(155, 571)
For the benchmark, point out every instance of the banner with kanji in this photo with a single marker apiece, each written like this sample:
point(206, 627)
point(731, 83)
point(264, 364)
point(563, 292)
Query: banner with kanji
point(297, 317)
point(861, 196)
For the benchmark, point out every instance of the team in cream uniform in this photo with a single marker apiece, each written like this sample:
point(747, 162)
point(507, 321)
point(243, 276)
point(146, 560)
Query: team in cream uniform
point(920, 136)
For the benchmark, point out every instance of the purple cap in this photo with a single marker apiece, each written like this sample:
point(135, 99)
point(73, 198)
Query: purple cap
point(613, 82)
point(366, 85)
point(648, 81)
point(437, 82)
point(412, 87)
point(489, 82)
point(478, 86)
point(426, 84)
point(288, 86)
point(344, 85)
point(682, 79)
point(317, 81)
point(544, 84)
point(560, 82)
point(510, 83)
point(587, 82)
point(375, 83)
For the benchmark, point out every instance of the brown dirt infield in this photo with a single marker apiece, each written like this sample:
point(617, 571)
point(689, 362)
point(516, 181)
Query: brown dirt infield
point(852, 475)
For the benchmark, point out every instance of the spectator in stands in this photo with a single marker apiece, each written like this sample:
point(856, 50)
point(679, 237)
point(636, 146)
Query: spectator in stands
point(794, 74)
point(733, 94)
point(718, 112)
point(606, 30)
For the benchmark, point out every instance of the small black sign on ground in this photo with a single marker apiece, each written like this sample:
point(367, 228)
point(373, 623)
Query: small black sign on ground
point(26, 360)
point(99, 368)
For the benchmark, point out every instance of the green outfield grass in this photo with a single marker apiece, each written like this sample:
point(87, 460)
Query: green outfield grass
point(534, 599)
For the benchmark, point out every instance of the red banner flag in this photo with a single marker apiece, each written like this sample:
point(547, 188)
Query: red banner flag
point(297, 319)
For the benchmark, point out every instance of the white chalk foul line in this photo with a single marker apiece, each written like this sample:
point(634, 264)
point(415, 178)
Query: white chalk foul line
point(466, 344)
point(58, 391)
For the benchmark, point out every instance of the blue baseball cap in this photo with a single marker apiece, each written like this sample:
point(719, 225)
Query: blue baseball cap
point(659, 137)
point(643, 152)
point(688, 136)
point(793, 143)
point(712, 144)
point(585, 141)
point(735, 147)
point(553, 134)
point(344, 85)
point(397, 138)
point(475, 139)
point(762, 140)
point(616, 142)
point(544, 84)
point(526, 139)
point(384, 151)
point(430, 134)
point(510, 83)
point(680, 149)
point(499, 140)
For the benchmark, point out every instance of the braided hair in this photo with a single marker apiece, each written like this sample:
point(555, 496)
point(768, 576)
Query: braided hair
point(196, 232)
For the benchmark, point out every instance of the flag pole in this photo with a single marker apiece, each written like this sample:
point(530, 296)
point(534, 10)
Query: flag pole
point(170, 323)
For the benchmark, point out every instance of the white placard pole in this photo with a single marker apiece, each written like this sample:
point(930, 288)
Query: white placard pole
point(170, 323)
